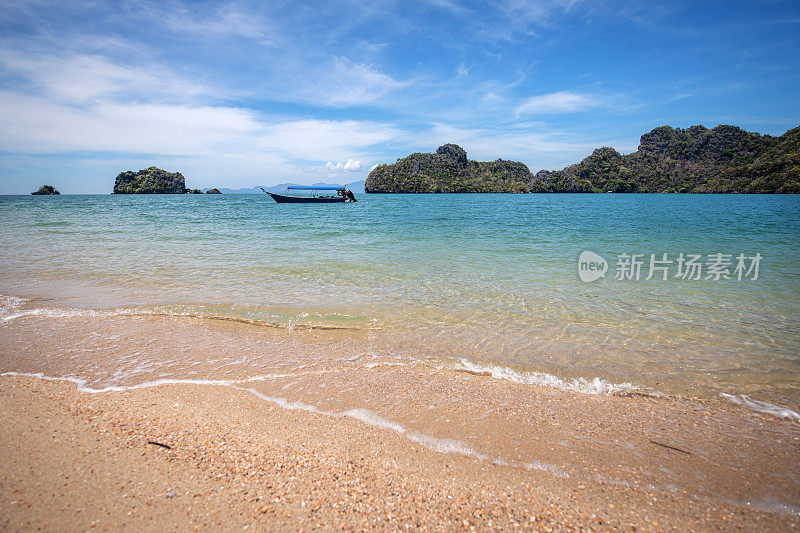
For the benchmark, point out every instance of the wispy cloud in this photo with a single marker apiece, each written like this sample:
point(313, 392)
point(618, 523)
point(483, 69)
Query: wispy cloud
point(342, 82)
point(558, 102)
point(224, 20)
point(76, 78)
point(533, 13)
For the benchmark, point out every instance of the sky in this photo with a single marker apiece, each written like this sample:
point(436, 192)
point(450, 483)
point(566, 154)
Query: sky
point(239, 94)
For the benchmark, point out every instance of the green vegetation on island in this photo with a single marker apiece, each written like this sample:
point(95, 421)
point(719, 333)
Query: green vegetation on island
point(448, 170)
point(213, 191)
point(151, 180)
point(46, 190)
point(725, 159)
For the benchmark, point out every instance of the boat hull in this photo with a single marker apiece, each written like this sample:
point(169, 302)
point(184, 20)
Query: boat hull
point(282, 199)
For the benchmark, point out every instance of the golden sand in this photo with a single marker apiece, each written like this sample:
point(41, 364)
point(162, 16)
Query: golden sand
point(74, 461)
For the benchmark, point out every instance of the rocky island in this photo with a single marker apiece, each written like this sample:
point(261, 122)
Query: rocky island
point(151, 180)
point(46, 190)
point(448, 170)
point(725, 159)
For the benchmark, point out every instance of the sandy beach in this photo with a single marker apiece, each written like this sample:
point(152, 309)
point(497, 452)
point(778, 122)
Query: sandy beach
point(511, 265)
point(75, 461)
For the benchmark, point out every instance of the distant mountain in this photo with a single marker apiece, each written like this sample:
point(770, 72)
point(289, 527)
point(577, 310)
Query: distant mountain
point(357, 187)
point(224, 190)
point(725, 159)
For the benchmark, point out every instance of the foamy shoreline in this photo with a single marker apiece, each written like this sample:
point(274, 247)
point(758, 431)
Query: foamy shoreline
point(557, 437)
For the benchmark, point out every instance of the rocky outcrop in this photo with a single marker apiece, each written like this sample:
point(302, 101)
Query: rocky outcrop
point(213, 191)
point(448, 170)
point(150, 181)
point(725, 159)
point(46, 190)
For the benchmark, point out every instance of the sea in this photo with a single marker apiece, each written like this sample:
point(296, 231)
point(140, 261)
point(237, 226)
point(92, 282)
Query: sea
point(678, 296)
point(492, 279)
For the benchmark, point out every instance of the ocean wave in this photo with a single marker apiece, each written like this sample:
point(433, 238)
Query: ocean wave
point(581, 385)
point(10, 310)
point(81, 384)
point(764, 407)
point(64, 313)
point(443, 444)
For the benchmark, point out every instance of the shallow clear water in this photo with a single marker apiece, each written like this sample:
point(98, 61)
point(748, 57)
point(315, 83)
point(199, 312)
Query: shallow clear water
point(492, 279)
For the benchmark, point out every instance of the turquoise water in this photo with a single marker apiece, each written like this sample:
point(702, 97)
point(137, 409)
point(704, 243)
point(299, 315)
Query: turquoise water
point(492, 279)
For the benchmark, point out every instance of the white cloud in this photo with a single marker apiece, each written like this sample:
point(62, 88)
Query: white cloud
point(349, 166)
point(225, 20)
point(76, 78)
point(37, 125)
point(524, 13)
point(342, 82)
point(71, 102)
point(326, 140)
point(352, 166)
point(558, 102)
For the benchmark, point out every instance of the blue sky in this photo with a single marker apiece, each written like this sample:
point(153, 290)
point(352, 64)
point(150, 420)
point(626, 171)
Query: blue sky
point(257, 93)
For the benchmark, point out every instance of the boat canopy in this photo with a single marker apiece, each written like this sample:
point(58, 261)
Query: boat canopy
point(307, 188)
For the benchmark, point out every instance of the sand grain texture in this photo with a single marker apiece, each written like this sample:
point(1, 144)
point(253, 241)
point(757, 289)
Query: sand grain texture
point(73, 461)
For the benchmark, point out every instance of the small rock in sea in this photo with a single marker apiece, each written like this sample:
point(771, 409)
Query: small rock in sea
point(46, 190)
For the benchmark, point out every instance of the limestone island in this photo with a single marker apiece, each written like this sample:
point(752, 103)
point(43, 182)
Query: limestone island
point(213, 191)
point(448, 170)
point(46, 190)
point(151, 180)
point(725, 159)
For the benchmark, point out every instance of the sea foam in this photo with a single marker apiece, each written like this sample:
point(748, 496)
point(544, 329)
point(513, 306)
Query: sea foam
point(764, 407)
point(437, 444)
point(581, 385)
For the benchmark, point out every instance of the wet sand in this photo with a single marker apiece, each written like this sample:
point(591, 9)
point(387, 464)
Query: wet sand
point(72, 461)
point(292, 428)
